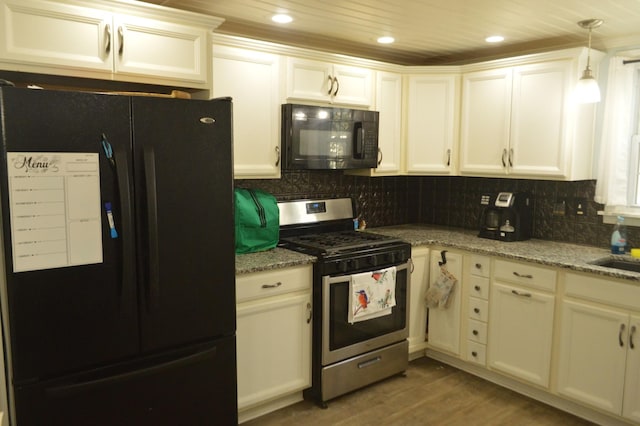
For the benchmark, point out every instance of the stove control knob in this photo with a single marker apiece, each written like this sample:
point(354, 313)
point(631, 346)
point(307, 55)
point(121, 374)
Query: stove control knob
point(391, 257)
point(342, 265)
point(373, 260)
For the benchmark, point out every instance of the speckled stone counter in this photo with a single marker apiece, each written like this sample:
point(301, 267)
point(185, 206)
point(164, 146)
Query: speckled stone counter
point(550, 253)
point(570, 256)
point(270, 259)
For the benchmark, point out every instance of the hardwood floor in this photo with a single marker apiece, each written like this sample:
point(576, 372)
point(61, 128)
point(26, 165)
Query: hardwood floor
point(431, 393)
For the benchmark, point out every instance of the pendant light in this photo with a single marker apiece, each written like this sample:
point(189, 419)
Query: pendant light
point(587, 90)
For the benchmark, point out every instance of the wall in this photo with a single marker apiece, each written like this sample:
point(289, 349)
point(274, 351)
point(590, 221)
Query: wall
point(451, 201)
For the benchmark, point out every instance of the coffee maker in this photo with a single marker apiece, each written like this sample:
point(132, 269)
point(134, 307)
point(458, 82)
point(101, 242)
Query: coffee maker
point(506, 216)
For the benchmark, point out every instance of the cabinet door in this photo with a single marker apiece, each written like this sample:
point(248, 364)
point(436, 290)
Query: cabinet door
point(274, 347)
point(592, 359)
point(309, 80)
point(486, 115)
point(631, 404)
point(520, 332)
point(431, 124)
point(251, 78)
point(389, 104)
point(324, 82)
point(55, 34)
point(444, 323)
point(151, 47)
point(352, 85)
point(538, 117)
point(417, 308)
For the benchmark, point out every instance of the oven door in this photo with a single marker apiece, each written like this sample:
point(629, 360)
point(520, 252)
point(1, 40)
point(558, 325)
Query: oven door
point(342, 339)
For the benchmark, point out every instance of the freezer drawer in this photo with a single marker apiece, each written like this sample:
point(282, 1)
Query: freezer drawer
point(190, 388)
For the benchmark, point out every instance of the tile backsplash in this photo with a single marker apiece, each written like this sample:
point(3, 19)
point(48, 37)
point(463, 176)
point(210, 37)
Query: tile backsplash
point(452, 201)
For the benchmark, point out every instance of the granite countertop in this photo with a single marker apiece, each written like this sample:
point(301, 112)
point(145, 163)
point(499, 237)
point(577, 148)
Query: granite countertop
point(270, 259)
point(550, 253)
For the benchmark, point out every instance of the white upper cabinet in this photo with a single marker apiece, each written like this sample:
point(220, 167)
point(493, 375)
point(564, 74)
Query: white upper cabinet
point(310, 80)
point(432, 122)
point(138, 43)
point(389, 104)
point(486, 116)
point(521, 120)
point(251, 78)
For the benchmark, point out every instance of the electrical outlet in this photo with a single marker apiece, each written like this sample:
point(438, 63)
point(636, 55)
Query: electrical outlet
point(560, 208)
point(581, 207)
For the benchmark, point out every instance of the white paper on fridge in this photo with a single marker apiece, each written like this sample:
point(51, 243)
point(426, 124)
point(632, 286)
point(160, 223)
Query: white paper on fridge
point(54, 202)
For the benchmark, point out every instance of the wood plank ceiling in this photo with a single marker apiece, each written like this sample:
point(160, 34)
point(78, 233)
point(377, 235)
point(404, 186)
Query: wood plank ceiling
point(426, 31)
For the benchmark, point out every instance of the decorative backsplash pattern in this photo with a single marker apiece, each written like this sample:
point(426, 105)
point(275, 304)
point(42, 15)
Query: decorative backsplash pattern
point(452, 201)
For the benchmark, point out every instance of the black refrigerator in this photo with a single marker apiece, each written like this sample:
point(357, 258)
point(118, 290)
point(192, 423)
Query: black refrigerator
point(118, 282)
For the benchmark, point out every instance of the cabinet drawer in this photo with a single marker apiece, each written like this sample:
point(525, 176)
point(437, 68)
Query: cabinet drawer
point(477, 331)
point(525, 274)
point(271, 283)
point(476, 352)
point(479, 266)
point(478, 309)
point(609, 291)
point(479, 287)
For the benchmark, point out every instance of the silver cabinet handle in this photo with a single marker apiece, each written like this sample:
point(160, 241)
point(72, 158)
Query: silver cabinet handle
point(631, 333)
point(448, 157)
point(511, 157)
point(528, 276)
point(335, 79)
point(276, 285)
point(413, 266)
point(277, 156)
point(330, 85)
point(310, 313)
point(379, 156)
point(107, 35)
point(120, 40)
point(504, 154)
point(517, 293)
point(622, 327)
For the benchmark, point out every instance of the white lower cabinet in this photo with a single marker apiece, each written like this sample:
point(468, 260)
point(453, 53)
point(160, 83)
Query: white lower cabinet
point(521, 321)
point(599, 354)
point(444, 323)
point(417, 307)
point(273, 339)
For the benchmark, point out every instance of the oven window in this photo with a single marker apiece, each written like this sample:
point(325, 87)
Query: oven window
point(342, 333)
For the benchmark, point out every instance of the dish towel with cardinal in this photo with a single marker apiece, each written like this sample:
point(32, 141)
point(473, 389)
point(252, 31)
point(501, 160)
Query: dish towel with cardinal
point(372, 295)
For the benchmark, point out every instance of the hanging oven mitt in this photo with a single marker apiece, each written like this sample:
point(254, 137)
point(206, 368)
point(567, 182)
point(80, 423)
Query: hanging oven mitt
point(437, 296)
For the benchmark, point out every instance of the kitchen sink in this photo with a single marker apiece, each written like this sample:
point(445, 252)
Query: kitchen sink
point(627, 265)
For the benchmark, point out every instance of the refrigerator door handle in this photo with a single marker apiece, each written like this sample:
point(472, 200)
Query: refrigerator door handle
point(128, 283)
point(152, 223)
point(75, 388)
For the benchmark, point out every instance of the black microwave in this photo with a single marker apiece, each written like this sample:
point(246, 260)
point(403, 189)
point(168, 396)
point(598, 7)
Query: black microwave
point(328, 138)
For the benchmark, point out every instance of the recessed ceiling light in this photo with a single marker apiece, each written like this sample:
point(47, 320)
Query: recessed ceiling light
point(386, 40)
point(494, 39)
point(281, 18)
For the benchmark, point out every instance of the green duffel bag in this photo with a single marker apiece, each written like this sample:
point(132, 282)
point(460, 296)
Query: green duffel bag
point(257, 220)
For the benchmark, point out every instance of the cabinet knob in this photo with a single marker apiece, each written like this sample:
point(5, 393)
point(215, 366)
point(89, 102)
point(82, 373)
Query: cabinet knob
point(475, 332)
point(476, 287)
point(476, 310)
point(474, 354)
point(478, 266)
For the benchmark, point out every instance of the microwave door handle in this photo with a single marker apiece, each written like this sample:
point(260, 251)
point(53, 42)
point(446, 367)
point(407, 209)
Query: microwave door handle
point(358, 140)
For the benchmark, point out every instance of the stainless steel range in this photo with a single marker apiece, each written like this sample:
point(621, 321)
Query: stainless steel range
point(360, 296)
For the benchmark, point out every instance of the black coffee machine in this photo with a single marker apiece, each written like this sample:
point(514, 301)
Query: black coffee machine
point(506, 216)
